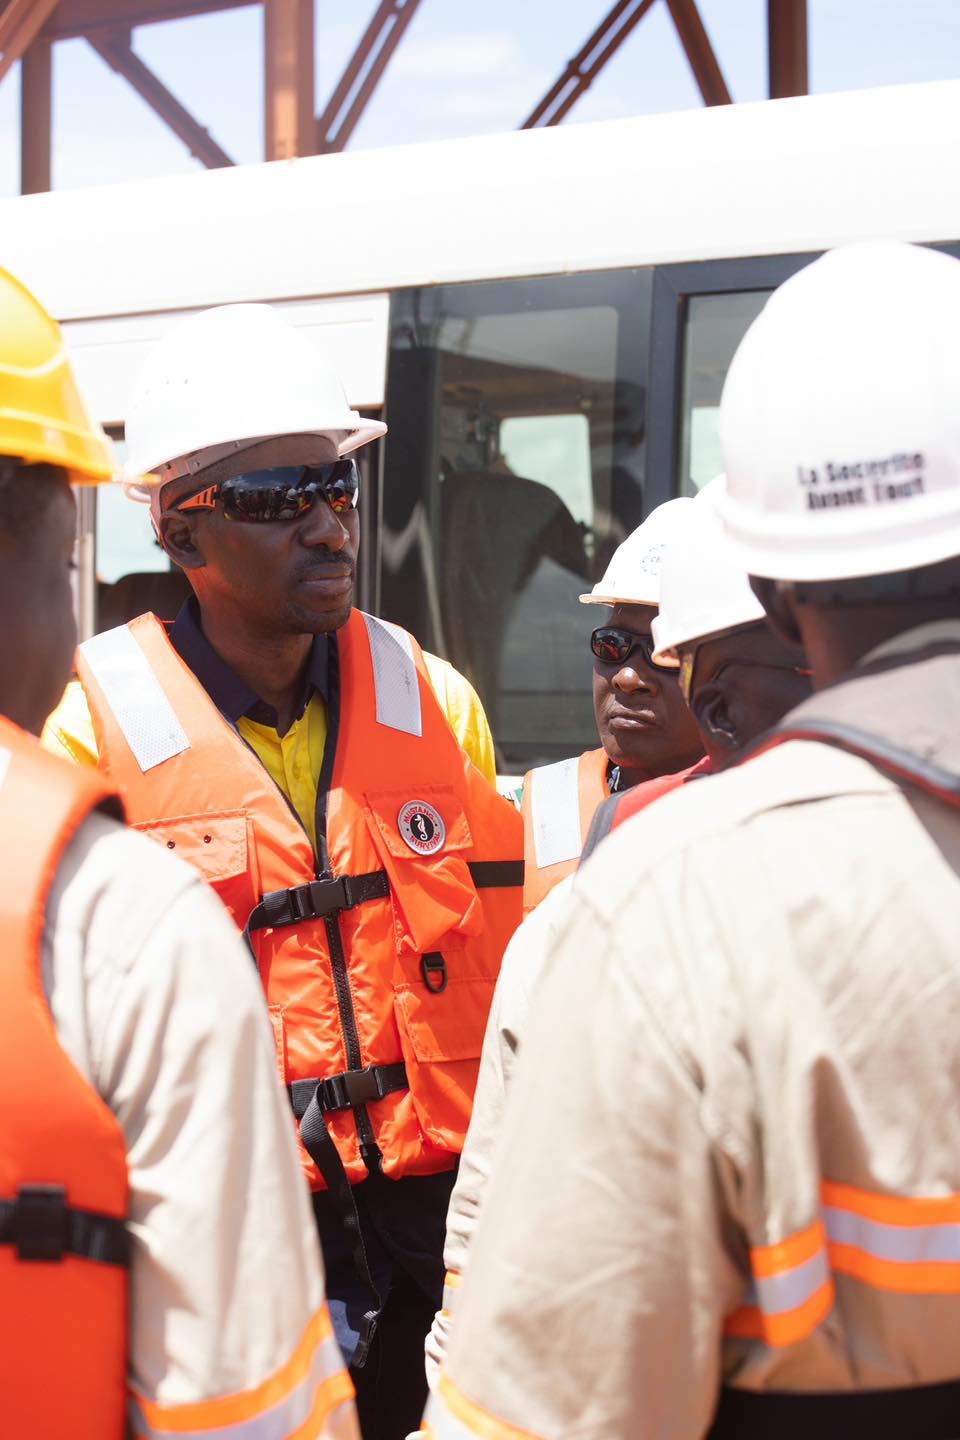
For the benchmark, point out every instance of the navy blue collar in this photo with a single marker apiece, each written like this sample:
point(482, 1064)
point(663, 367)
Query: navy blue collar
point(232, 696)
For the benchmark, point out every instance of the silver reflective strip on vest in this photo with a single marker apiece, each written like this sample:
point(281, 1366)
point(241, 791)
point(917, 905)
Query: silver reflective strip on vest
point(791, 1288)
point(440, 1423)
point(937, 1244)
point(394, 676)
point(555, 811)
point(140, 707)
point(285, 1418)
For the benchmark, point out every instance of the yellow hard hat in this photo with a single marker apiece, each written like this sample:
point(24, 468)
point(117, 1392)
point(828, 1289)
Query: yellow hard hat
point(42, 416)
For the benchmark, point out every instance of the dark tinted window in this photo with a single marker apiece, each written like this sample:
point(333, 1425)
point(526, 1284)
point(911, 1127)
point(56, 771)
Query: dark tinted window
point(513, 468)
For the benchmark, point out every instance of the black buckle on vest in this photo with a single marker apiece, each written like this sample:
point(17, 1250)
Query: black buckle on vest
point(315, 900)
point(40, 1222)
point(352, 1087)
point(348, 1089)
point(321, 897)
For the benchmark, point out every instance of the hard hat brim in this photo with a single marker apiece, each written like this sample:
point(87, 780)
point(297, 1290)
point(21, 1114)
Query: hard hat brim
point(592, 599)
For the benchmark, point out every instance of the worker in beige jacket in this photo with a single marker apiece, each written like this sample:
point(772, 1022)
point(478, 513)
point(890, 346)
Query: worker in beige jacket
point(150, 1040)
point(739, 679)
point(727, 1192)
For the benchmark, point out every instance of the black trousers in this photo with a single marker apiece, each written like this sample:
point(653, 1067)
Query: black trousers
point(403, 1223)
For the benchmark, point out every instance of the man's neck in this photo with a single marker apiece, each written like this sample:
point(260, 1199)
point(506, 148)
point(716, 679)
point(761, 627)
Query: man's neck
point(272, 664)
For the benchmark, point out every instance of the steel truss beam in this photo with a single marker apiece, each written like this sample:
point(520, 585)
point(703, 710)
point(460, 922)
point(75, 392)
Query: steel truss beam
point(117, 52)
point(586, 65)
point(699, 51)
point(80, 18)
point(787, 42)
point(581, 71)
point(20, 24)
point(363, 73)
point(288, 58)
point(36, 117)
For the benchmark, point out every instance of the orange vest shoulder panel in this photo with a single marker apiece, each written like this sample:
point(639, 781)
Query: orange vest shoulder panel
point(558, 804)
point(63, 1319)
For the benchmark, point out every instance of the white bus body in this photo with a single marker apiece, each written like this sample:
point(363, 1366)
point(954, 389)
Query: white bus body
point(544, 318)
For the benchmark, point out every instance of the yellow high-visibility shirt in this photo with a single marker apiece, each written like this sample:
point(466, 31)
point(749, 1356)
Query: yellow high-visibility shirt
point(294, 760)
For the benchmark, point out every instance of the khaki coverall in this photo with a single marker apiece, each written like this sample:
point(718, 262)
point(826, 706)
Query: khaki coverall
point(732, 1150)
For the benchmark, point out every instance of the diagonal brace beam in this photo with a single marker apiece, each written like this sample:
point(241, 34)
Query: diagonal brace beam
point(20, 24)
point(120, 57)
point(586, 65)
point(363, 74)
point(700, 53)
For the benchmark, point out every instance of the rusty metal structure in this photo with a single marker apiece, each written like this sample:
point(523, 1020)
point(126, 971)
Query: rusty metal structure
point(30, 28)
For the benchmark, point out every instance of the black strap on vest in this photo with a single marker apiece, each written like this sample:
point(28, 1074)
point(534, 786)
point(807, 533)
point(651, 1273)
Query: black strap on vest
point(349, 1088)
point(319, 898)
point(496, 874)
point(922, 1412)
point(42, 1226)
point(319, 1145)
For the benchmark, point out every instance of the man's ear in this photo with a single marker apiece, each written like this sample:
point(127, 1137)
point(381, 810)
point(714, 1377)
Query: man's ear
point(709, 706)
point(778, 598)
point(176, 535)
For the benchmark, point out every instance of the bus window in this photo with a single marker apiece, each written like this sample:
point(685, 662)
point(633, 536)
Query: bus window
point(133, 573)
point(715, 325)
point(513, 467)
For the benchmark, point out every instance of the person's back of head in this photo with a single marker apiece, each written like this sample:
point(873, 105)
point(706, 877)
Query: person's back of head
point(47, 442)
point(840, 431)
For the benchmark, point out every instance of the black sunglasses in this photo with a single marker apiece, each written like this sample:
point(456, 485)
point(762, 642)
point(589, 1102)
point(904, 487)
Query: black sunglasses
point(285, 493)
point(615, 646)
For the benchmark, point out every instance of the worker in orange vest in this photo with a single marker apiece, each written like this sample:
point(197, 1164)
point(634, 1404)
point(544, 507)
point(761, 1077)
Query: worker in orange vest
point(647, 734)
point(297, 752)
point(142, 1293)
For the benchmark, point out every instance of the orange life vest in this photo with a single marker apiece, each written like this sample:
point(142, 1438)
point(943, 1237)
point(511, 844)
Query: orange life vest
point(63, 1166)
point(379, 957)
point(558, 805)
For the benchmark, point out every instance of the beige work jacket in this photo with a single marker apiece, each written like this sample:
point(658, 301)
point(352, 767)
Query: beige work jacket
point(523, 963)
point(731, 1152)
point(158, 1005)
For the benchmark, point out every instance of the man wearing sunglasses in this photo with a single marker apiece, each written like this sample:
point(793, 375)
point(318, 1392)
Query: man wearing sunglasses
point(646, 731)
point(744, 1217)
point(295, 751)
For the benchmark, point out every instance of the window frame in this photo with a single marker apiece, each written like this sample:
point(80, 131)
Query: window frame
point(673, 286)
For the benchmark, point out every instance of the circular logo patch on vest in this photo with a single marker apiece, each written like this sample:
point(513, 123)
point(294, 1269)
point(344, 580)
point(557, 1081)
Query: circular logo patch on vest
point(421, 827)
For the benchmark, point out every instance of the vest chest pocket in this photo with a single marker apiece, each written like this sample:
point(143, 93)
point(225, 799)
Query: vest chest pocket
point(420, 834)
point(219, 846)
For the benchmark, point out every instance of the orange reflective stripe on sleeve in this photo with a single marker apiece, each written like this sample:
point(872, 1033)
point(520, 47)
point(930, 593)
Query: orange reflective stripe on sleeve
point(792, 1290)
point(293, 1402)
point(911, 1245)
point(907, 1244)
point(452, 1282)
point(452, 1416)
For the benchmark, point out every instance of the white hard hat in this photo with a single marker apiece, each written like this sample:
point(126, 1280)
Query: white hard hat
point(633, 574)
point(840, 419)
point(704, 589)
point(226, 378)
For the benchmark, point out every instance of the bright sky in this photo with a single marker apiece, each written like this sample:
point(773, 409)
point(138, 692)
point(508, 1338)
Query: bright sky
point(463, 68)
